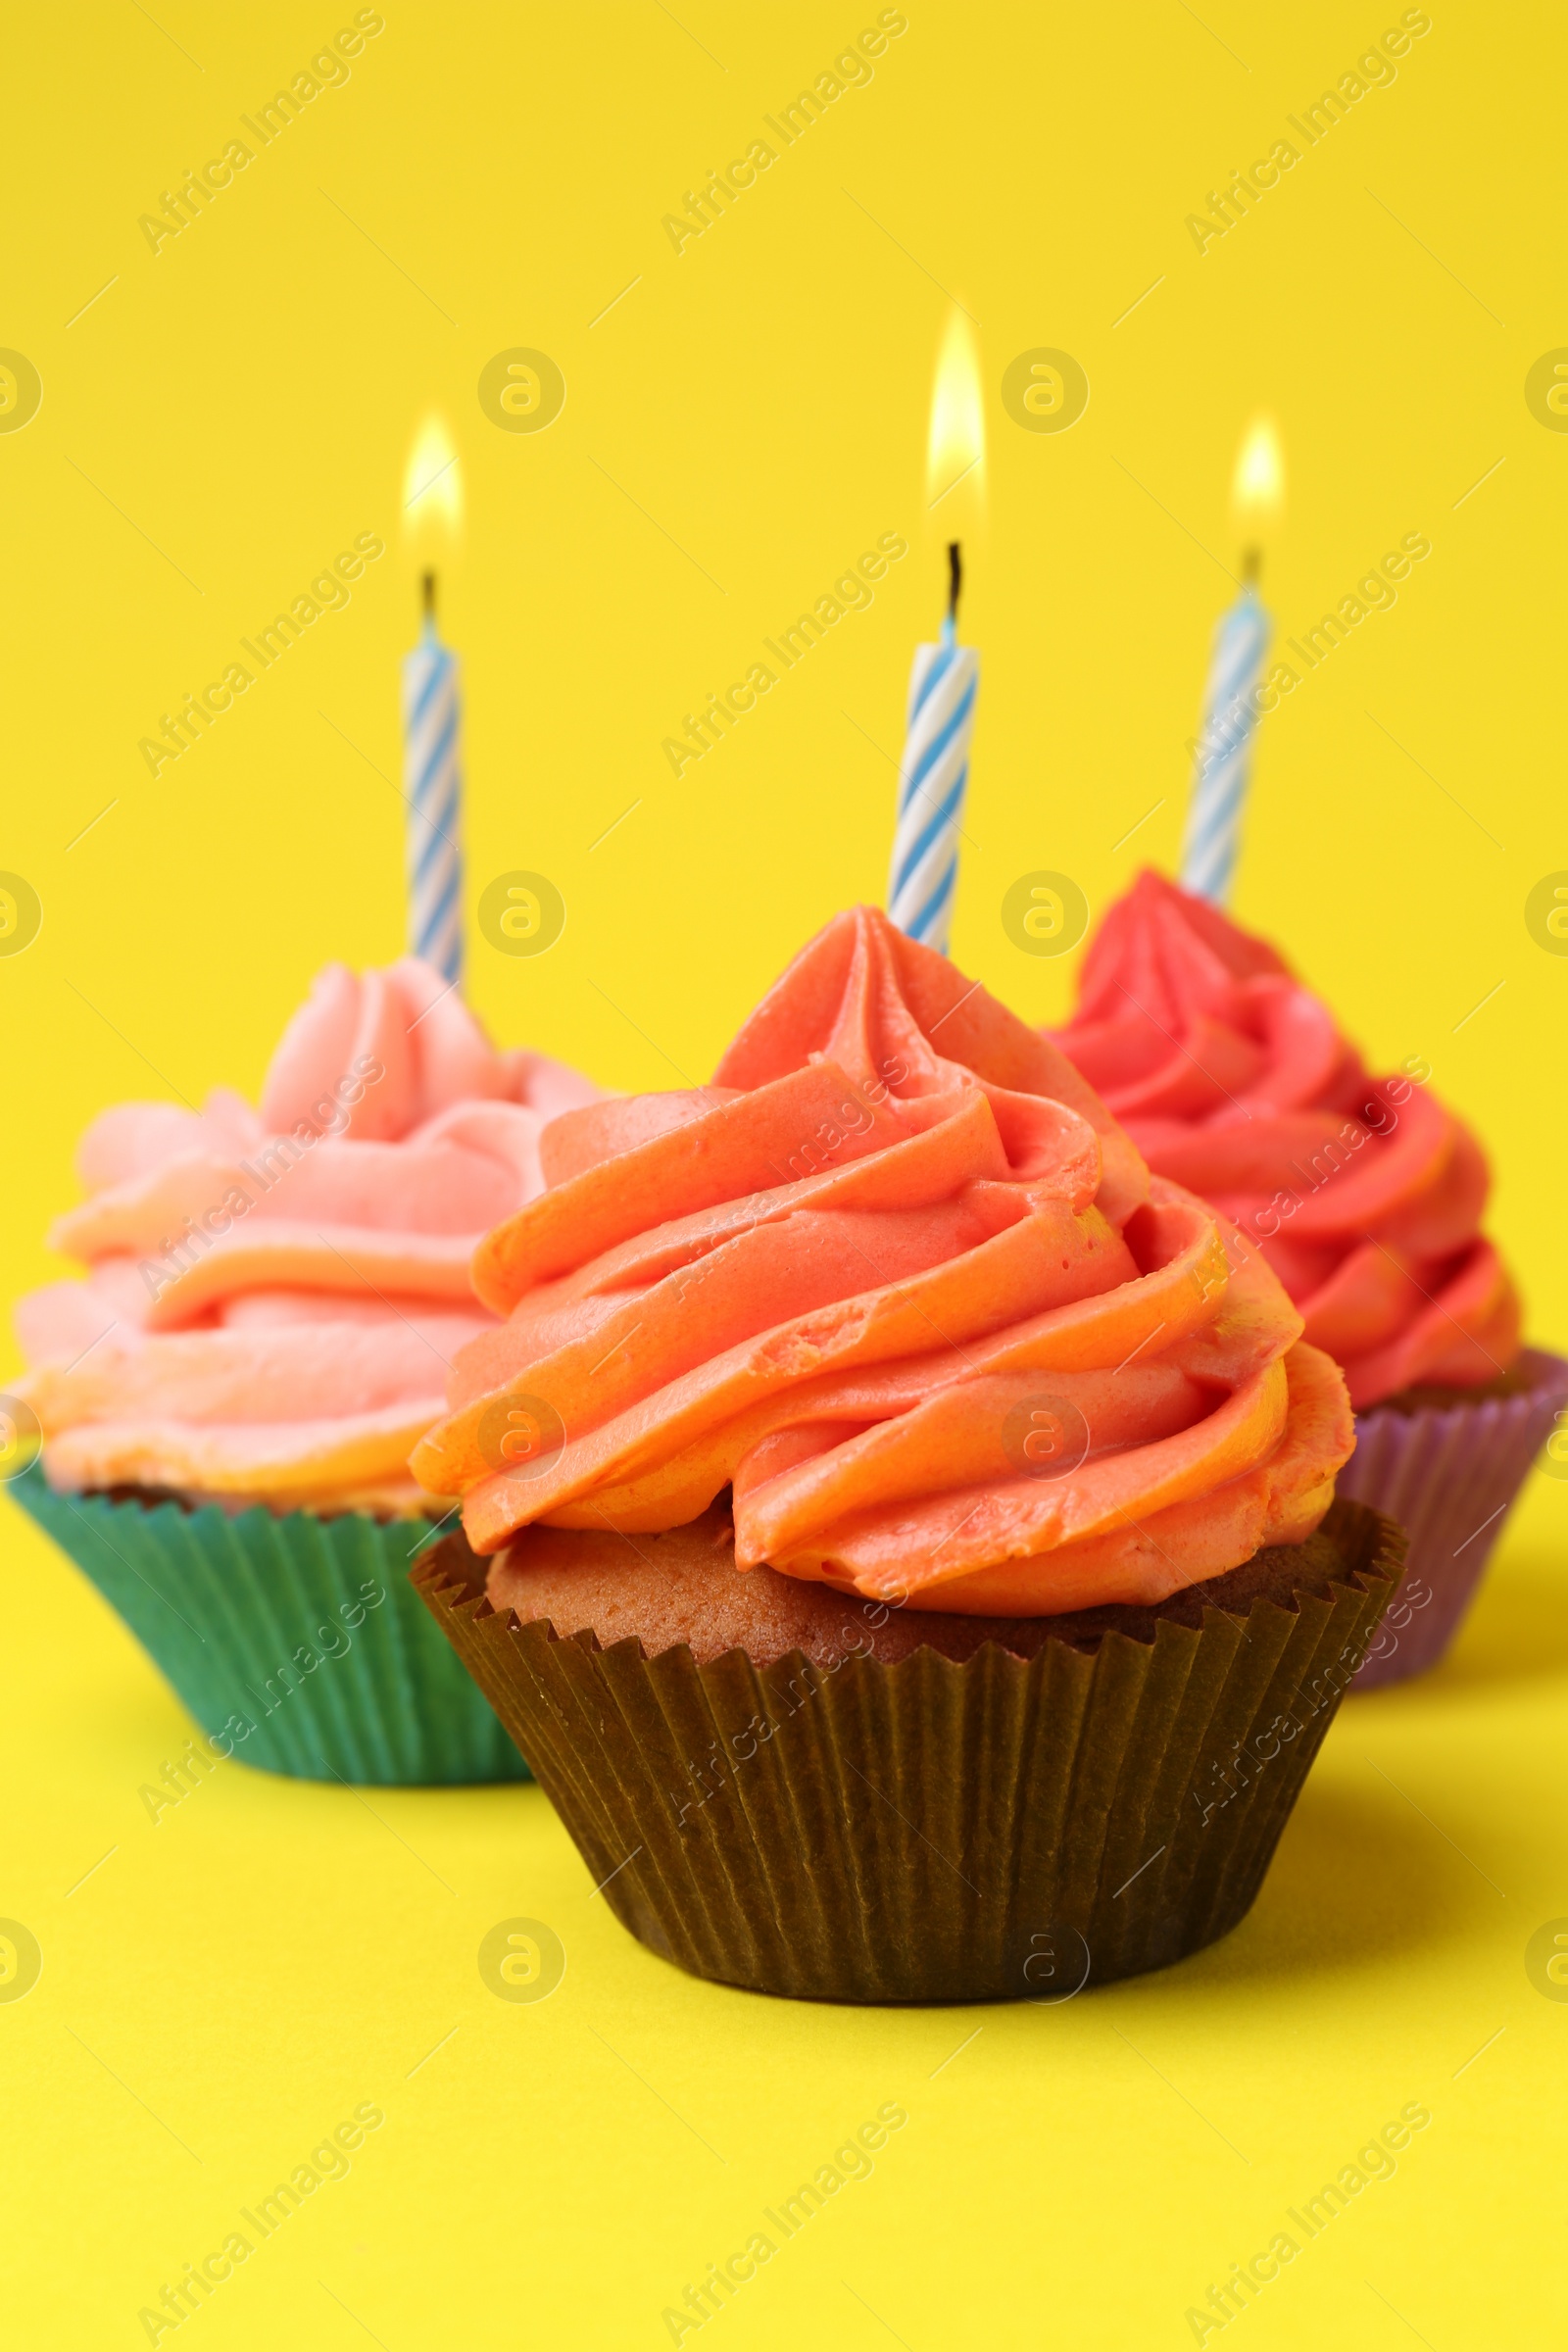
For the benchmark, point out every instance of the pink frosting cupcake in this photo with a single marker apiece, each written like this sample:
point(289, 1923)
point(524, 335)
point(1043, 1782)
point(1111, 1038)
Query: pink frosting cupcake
point(274, 1294)
point(1364, 1194)
point(273, 1300)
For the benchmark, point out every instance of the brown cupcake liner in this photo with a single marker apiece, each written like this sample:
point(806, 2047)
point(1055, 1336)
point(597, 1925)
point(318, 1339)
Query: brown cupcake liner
point(926, 1830)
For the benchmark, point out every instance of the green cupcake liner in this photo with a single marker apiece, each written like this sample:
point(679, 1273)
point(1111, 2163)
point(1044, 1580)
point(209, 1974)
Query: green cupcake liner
point(297, 1642)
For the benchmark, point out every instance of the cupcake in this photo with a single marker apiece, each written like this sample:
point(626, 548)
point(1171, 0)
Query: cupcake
point(898, 1528)
point(1364, 1195)
point(228, 1400)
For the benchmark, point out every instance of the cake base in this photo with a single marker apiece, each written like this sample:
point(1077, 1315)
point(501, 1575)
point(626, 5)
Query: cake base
point(924, 1828)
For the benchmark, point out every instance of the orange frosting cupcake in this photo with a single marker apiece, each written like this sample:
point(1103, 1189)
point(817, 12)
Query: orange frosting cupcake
point(901, 1281)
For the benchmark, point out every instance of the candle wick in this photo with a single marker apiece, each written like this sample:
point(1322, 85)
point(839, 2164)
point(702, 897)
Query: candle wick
point(428, 594)
point(1252, 564)
point(955, 578)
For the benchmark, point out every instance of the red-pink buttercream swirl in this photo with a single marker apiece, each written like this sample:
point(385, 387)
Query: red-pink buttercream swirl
point(1365, 1194)
point(274, 1294)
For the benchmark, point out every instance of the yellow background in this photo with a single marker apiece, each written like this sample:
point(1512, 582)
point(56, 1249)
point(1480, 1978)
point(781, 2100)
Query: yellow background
point(223, 418)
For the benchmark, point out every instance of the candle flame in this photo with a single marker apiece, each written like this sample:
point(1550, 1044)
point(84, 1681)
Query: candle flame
point(1257, 486)
point(432, 493)
point(956, 444)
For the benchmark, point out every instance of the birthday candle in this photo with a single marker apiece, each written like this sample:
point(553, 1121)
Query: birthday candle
point(1224, 749)
point(933, 774)
point(432, 785)
point(1223, 761)
point(933, 778)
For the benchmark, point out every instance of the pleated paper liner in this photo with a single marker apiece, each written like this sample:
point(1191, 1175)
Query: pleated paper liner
point(296, 1641)
point(1448, 1473)
point(927, 1830)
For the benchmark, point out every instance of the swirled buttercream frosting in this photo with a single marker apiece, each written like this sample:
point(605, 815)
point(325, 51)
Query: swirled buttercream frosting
point(1364, 1194)
point(899, 1282)
point(274, 1294)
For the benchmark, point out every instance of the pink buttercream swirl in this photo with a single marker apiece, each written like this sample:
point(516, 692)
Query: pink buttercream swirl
point(1365, 1194)
point(274, 1295)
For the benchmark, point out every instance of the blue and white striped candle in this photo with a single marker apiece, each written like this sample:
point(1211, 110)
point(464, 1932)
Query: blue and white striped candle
point(432, 787)
point(1224, 755)
point(1223, 760)
point(932, 781)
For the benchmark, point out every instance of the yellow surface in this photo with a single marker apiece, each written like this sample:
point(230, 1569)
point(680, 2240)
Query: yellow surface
point(230, 412)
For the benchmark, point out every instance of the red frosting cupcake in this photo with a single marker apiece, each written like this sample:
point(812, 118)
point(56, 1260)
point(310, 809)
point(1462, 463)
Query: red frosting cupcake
point(1364, 1194)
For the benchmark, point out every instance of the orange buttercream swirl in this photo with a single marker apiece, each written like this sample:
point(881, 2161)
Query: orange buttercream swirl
point(274, 1294)
point(899, 1280)
point(1365, 1194)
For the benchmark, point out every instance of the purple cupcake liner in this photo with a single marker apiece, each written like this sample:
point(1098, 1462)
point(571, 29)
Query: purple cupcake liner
point(1448, 1474)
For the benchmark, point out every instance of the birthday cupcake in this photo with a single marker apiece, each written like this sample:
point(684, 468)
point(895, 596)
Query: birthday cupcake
point(226, 1402)
point(1364, 1195)
point(898, 1531)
